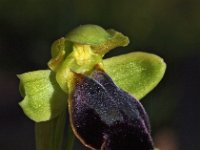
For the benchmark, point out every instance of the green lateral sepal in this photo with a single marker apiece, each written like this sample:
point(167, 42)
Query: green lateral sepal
point(137, 72)
point(43, 98)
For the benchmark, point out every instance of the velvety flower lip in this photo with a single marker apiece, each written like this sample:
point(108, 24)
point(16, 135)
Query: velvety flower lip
point(102, 78)
point(107, 118)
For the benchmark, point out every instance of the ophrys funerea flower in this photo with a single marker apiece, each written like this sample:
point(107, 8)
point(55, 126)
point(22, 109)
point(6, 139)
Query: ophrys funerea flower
point(101, 94)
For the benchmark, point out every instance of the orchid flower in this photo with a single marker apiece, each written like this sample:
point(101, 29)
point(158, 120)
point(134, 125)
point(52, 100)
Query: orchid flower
point(101, 96)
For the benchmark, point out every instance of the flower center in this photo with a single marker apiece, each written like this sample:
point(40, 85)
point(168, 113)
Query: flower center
point(82, 54)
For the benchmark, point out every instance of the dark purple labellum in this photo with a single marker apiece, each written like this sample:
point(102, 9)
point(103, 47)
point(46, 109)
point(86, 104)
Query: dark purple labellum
point(107, 118)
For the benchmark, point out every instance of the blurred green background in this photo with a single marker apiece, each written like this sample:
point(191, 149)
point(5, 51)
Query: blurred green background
point(168, 28)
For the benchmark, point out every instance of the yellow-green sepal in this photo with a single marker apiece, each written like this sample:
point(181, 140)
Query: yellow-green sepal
point(88, 35)
point(100, 40)
point(43, 98)
point(137, 72)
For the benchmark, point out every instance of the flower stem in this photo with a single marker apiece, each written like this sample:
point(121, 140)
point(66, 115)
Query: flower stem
point(70, 139)
point(49, 135)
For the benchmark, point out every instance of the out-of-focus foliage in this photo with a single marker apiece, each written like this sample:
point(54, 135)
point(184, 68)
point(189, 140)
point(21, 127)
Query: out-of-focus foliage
point(168, 26)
